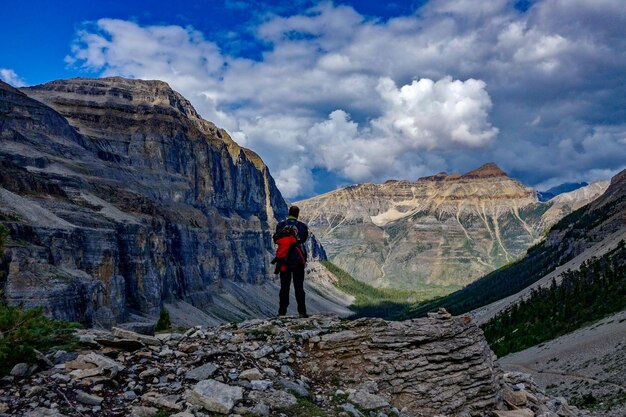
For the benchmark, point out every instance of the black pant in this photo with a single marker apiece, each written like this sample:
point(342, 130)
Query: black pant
point(298, 285)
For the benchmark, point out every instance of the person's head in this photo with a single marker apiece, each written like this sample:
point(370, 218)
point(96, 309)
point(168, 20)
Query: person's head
point(294, 211)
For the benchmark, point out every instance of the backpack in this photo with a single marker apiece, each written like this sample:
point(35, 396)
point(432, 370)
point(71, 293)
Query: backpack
point(289, 253)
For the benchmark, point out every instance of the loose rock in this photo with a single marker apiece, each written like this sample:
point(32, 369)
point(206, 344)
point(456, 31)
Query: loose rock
point(202, 372)
point(215, 396)
point(88, 399)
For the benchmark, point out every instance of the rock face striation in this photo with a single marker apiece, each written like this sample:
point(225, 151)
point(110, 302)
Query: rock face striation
point(439, 230)
point(436, 366)
point(118, 197)
point(429, 366)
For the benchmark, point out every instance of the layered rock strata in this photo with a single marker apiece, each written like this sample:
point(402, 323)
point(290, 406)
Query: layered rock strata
point(316, 366)
point(118, 197)
point(439, 230)
point(429, 367)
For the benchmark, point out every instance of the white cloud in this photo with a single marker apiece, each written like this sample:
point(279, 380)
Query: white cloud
point(10, 77)
point(454, 85)
point(423, 115)
point(441, 114)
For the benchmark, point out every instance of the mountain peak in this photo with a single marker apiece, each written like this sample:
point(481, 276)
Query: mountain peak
point(114, 91)
point(488, 170)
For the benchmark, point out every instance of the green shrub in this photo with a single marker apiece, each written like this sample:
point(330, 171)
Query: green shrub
point(164, 322)
point(3, 237)
point(23, 331)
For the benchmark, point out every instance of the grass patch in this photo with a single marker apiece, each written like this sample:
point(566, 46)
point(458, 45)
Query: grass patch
point(303, 408)
point(387, 303)
point(261, 333)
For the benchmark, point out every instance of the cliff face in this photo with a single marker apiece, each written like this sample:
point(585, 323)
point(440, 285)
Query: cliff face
point(119, 197)
point(439, 230)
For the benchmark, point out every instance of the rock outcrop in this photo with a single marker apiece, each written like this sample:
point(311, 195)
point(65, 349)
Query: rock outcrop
point(437, 366)
point(439, 230)
point(119, 197)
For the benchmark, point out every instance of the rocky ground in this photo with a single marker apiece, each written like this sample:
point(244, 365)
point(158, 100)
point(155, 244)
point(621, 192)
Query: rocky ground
point(587, 366)
point(317, 366)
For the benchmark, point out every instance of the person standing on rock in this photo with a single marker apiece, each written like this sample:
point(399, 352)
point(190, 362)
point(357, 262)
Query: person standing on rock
point(290, 260)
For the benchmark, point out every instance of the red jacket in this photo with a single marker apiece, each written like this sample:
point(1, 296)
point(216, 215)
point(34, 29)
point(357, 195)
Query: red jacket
point(284, 245)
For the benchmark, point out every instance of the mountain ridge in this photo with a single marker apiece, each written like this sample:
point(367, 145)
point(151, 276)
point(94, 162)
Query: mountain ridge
point(588, 232)
point(448, 228)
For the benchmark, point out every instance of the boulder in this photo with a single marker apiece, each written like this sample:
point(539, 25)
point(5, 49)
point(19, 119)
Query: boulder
point(215, 396)
point(127, 334)
point(150, 373)
point(21, 369)
point(88, 399)
point(252, 374)
point(367, 400)
point(523, 412)
point(202, 372)
point(44, 412)
point(515, 398)
point(129, 345)
point(295, 387)
point(274, 398)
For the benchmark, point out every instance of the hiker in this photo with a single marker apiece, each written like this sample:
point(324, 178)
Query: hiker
point(291, 259)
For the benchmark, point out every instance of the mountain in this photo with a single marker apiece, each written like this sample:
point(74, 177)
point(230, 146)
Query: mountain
point(445, 230)
point(119, 198)
point(587, 233)
point(565, 203)
point(559, 189)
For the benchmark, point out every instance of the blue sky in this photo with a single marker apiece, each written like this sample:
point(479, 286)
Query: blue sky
point(41, 31)
point(333, 93)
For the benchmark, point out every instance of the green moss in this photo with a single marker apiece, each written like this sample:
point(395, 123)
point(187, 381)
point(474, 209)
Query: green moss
point(4, 233)
point(303, 408)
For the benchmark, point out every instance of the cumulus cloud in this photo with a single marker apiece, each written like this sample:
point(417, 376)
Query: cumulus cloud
point(449, 87)
point(428, 114)
point(10, 77)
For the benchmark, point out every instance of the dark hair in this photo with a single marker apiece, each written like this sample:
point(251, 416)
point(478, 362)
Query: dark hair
point(294, 211)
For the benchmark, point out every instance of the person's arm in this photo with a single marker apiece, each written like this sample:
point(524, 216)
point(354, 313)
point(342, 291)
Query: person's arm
point(305, 233)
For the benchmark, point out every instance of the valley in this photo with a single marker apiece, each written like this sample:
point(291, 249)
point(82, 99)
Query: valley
point(120, 202)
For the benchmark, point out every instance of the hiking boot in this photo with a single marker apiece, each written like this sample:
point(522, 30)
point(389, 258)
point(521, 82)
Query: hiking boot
point(304, 316)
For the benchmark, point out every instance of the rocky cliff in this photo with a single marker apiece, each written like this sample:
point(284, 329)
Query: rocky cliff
point(321, 366)
point(439, 230)
point(119, 197)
